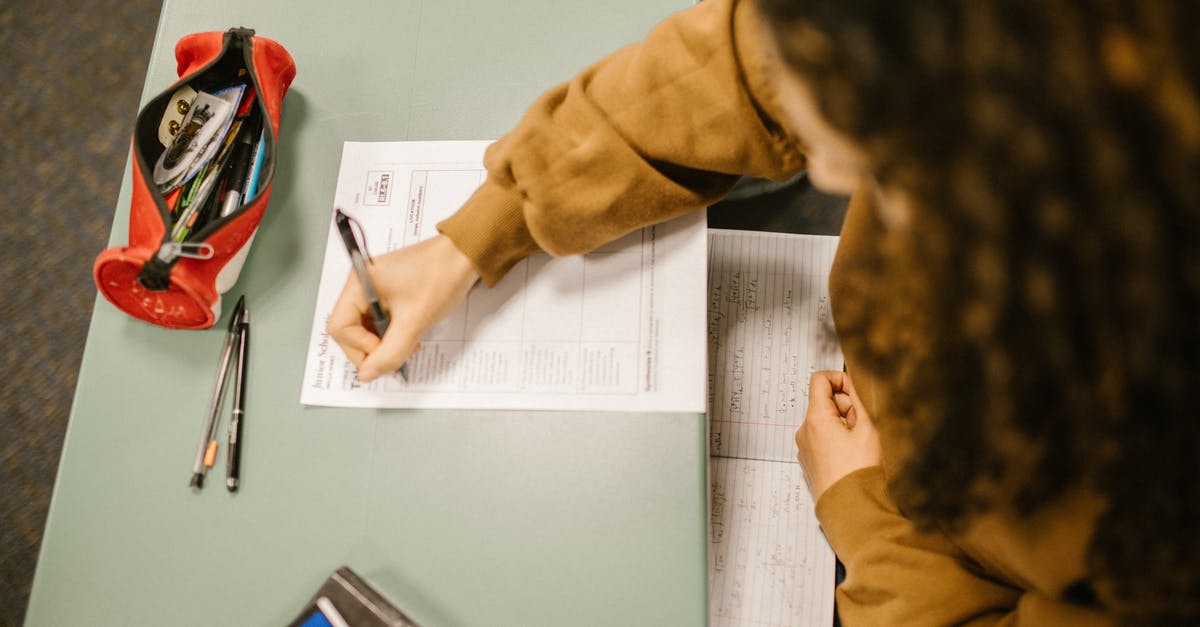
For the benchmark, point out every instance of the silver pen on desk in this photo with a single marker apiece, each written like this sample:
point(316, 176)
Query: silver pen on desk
point(358, 260)
point(206, 453)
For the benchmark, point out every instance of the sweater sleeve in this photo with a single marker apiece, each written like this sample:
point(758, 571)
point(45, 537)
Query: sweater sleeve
point(899, 575)
point(658, 129)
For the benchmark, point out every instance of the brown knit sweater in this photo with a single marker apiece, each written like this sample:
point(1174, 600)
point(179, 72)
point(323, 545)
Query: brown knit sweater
point(666, 126)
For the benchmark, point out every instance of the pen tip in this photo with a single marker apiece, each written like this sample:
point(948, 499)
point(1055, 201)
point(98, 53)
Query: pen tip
point(237, 309)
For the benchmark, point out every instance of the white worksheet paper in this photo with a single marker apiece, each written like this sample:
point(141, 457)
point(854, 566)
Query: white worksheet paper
point(618, 329)
point(769, 328)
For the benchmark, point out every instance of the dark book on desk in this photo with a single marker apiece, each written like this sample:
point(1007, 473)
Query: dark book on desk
point(345, 600)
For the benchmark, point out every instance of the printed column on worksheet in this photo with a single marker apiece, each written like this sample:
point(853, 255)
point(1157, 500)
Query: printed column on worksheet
point(588, 340)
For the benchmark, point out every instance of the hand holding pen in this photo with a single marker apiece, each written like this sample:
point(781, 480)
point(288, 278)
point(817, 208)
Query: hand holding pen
point(417, 285)
point(359, 260)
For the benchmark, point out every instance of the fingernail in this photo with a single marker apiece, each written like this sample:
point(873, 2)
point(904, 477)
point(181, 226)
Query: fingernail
point(367, 374)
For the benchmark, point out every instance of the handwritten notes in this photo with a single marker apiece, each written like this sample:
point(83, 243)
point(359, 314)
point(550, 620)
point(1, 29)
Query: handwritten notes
point(769, 328)
point(770, 563)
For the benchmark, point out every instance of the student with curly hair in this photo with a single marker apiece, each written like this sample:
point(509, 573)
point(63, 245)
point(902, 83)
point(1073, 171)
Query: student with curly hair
point(1017, 288)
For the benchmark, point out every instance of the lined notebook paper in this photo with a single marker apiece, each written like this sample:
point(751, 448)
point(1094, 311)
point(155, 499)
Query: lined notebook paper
point(769, 328)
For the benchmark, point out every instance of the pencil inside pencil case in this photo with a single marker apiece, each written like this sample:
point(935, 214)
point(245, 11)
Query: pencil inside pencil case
point(204, 154)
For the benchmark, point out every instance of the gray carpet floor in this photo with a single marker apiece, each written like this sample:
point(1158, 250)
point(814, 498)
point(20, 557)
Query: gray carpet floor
point(73, 75)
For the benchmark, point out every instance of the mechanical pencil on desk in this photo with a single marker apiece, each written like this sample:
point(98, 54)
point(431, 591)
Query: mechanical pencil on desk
point(207, 451)
point(233, 455)
point(346, 226)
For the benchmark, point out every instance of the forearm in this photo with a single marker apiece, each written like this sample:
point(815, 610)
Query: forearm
point(895, 574)
point(898, 575)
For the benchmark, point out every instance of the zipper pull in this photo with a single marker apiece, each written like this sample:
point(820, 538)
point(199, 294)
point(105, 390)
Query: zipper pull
point(156, 274)
point(170, 251)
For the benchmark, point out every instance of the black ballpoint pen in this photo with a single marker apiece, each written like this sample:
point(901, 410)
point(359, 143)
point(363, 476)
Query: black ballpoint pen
point(358, 260)
point(233, 455)
point(207, 450)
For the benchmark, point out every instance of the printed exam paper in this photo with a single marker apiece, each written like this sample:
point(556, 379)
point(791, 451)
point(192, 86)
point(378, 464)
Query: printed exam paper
point(617, 329)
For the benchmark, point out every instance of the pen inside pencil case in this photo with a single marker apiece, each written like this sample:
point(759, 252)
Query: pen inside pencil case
point(223, 182)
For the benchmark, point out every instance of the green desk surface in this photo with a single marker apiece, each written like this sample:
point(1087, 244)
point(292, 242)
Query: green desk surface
point(461, 518)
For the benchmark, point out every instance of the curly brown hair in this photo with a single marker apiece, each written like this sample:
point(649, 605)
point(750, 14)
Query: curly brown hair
point(1049, 287)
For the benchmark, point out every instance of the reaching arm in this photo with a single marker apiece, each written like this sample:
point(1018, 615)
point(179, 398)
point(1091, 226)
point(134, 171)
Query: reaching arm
point(657, 129)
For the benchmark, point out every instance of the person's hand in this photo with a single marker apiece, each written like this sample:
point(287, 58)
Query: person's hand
point(838, 436)
point(418, 285)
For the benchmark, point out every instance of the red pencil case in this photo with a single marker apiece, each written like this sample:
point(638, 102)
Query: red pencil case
point(203, 164)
